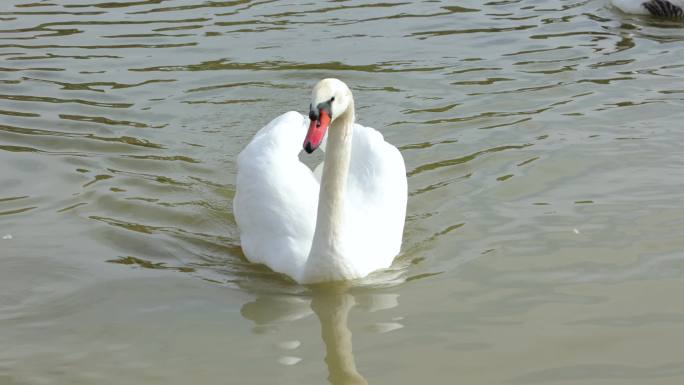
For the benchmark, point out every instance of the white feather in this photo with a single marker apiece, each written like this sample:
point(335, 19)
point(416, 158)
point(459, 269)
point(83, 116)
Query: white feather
point(276, 200)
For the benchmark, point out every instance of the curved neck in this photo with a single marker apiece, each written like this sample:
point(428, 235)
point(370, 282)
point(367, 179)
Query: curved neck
point(326, 256)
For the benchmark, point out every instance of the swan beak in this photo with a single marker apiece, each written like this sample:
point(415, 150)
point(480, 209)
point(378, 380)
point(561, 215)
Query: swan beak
point(316, 132)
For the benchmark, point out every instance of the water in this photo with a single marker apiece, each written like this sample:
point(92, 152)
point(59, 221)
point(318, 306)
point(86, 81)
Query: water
point(543, 241)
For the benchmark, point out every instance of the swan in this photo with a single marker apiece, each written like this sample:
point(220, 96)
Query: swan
point(341, 222)
point(660, 8)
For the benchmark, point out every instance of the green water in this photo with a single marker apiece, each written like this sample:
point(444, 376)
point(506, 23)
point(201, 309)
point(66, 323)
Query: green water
point(543, 242)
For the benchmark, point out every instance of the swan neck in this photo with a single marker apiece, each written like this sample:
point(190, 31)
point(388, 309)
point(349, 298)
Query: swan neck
point(327, 250)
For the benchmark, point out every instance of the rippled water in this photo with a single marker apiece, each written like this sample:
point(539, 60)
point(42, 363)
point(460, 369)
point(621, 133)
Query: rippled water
point(543, 241)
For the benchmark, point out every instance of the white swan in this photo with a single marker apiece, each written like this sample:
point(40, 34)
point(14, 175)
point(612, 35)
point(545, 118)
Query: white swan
point(660, 8)
point(344, 227)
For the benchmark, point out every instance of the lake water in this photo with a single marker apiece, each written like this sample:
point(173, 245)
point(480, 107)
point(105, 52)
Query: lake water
point(544, 236)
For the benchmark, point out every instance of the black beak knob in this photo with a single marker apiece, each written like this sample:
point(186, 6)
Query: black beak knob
point(313, 114)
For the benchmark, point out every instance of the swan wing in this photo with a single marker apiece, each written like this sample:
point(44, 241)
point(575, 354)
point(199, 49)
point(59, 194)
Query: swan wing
point(276, 197)
point(376, 206)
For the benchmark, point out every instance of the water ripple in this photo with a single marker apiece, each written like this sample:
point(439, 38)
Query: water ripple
point(541, 140)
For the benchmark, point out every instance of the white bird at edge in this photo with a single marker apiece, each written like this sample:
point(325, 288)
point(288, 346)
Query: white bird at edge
point(341, 224)
point(659, 8)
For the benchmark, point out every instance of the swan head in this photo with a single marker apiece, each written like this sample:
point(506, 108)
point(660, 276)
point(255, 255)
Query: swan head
point(330, 99)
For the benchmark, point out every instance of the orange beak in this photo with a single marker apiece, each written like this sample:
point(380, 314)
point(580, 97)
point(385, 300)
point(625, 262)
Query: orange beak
point(316, 132)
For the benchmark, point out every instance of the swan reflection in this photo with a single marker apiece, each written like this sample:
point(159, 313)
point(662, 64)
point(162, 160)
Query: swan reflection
point(331, 304)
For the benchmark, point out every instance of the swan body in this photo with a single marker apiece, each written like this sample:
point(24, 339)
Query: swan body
point(341, 222)
point(660, 8)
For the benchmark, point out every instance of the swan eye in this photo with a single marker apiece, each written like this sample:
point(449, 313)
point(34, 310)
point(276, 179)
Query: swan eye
point(332, 99)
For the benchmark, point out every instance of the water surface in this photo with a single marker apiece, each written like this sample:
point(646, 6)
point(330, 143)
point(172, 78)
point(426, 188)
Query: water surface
point(543, 241)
